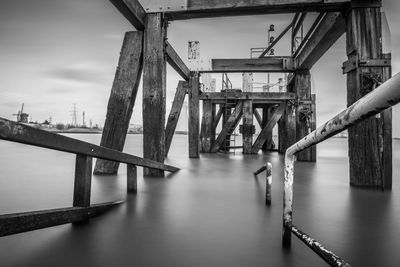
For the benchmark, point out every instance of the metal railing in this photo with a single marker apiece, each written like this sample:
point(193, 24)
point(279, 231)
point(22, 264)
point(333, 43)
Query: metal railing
point(82, 209)
point(383, 97)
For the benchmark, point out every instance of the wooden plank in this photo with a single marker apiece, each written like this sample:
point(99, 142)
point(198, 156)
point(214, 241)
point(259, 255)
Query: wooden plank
point(176, 62)
point(27, 221)
point(229, 126)
point(131, 182)
point(268, 64)
point(83, 181)
point(218, 8)
point(133, 11)
point(207, 124)
point(154, 91)
point(194, 119)
point(368, 137)
point(21, 133)
point(258, 116)
point(122, 99)
point(277, 39)
point(262, 137)
point(247, 125)
point(272, 96)
point(174, 114)
point(331, 27)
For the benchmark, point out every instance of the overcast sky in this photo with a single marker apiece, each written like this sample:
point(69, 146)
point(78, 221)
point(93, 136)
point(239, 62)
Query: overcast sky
point(54, 53)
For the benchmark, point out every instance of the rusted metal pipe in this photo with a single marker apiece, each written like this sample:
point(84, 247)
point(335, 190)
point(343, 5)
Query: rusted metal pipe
point(268, 188)
point(331, 258)
point(260, 170)
point(383, 97)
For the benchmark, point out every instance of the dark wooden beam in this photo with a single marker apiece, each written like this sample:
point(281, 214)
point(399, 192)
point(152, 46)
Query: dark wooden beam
point(329, 30)
point(207, 123)
point(174, 114)
point(277, 39)
point(218, 8)
point(217, 117)
point(122, 99)
point(132, 11)
point(270, 96)
point(194, 120)
point(229, 126)
point(154, 92)
point(247, 127)
point(297, 26)
point(308, 34)
point(83, 181)
point(27, 221)
point(131, 178)
point(268, 64)
point(176, 62)
point(21, 133)
point(262, 137)
point(258, 116)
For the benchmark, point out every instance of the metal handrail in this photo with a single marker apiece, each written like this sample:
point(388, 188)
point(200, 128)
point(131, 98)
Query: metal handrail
point(383, 97)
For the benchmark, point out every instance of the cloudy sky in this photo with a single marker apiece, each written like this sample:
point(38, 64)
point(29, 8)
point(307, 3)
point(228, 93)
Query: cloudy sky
point(54, 53)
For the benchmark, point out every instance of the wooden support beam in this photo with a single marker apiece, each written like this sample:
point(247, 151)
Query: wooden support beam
point(83, 181)
point(268, 64)
point(258, 117)
point(217, 117)
point(308, 34)
point(266, 117)
point(287, 129)
point(194, 139)
point(331, 27)
point(27, 221)
point(371, 137)
point(131, 183)
point(132, 11)
point(154, 91)
point(207, 125)
point(298, 24)
point(248, 127)
point(229, 126)
point(272, 97)
point(276, 40)
point(218, 8)
point(174, 114)
point(122, 99)
point(21, 133)
point(176, 62)
point(262, 137)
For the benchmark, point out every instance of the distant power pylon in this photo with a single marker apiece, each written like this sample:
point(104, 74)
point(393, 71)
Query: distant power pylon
point(74, 113)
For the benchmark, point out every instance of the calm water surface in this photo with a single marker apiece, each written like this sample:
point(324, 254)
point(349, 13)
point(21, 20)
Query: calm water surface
point(211, 213)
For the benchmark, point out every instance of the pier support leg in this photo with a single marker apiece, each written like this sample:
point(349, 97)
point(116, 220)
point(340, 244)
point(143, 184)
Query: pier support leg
point(154, 86)
point(122, 99)
point(83, 181)
point(287, 128)
point(247, 127)
point(266, 116)
point(206, 129)
point(131, 178)
point(194, 120)
point(370, 146)
point(304, 113)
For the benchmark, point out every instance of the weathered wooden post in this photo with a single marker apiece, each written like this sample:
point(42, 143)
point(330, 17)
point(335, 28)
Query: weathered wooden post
point(247, 128)
point(83, 181)
point(268, 187)
point(304, 112)
point(194, 119)
point(131, 178)
point(287, 128)
point(366, 68)
point(206, 126)
point(266, 116)
point(154, 87)
point(122, 99)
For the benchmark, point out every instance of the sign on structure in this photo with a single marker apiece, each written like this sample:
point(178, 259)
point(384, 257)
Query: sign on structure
point(193, 50)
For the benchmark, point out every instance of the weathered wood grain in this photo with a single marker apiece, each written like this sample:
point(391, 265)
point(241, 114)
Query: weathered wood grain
point(270, 97)
point(27, 221)
point(122, 99)
point(154, 91)
point(269, 64)
point(131, 182)
point(247, 125)
point(174, 114)
point(194, 120)
point(83, 181)
point(207, 125)
point(133, 11)
point(176, 62)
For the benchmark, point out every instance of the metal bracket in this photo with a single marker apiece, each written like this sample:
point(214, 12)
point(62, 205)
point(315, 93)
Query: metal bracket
point(355, 62)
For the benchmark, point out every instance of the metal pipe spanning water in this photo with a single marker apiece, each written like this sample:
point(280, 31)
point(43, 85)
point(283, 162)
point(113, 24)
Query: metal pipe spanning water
point(383, 97)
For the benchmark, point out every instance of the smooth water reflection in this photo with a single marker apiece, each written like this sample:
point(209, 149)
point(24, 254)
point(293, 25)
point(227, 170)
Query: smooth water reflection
point(211, 213)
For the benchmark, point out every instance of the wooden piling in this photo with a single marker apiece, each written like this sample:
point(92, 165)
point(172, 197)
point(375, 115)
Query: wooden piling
point(122, 99)
point(268, 187)
point(371, 137)
point(194, 139)
point(154, 87)
point(287, 128)
point(207, 123)
point(83, 181)
point(131, 178)
point(247, 127)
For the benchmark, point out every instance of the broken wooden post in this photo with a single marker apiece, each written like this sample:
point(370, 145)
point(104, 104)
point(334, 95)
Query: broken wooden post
point(304, 112)
point(260, 170)
point(364, 51)
point(247, 128)
point(206, 123)
point(194, 138)
point(174, 114)
point(131, 178)
point(268, 187)
point(287, 128)
point(122, 99)
point(83, 181)
point(154, 86)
